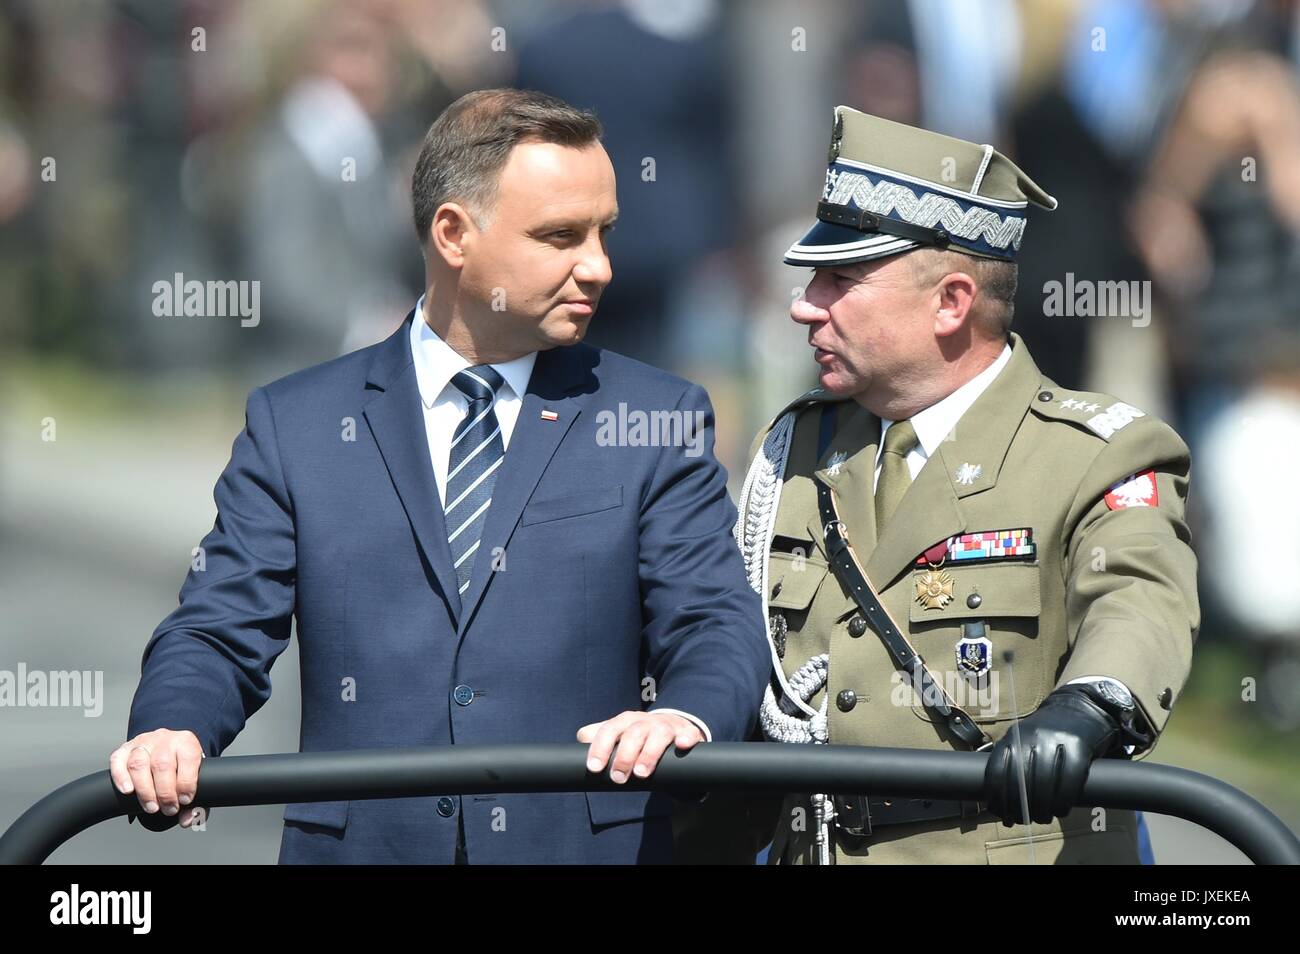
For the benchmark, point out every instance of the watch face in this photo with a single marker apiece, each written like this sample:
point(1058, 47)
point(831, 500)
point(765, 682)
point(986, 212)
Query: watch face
point(1115, 693)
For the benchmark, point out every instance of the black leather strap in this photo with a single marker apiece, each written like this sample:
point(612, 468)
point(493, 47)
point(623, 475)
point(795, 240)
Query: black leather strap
point(933, 696)
point(857, 815)
point(865, 221)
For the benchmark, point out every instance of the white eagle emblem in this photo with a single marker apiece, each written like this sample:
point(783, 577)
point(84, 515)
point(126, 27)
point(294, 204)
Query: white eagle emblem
point(836, 462)
point(967, 474)
point(1136, 491)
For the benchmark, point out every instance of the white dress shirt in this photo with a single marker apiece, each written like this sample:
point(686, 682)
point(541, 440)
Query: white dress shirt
point(937, 421)
point(436, 363)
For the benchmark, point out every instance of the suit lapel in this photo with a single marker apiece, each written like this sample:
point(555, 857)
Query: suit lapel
point(847, 467)
point(396, 419)
point(554, 386)
point(983, 435)
point(927, 513)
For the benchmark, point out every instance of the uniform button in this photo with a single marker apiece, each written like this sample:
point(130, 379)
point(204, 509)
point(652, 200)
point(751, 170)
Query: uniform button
point(846, 700)
point(974, 600)
point(1166, 697)
point(463, 695)
point(1044, 396)
point(857, 626)
point(446, 807)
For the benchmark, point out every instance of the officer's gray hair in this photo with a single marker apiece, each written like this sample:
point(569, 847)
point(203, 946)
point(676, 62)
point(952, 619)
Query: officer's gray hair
point(468, 145)
point(995, 303)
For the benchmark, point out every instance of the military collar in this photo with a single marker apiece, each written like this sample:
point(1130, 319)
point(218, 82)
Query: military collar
point(936, 422)
point(974, 449)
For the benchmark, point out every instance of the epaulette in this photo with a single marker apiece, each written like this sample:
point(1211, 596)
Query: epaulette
point(1102, 414)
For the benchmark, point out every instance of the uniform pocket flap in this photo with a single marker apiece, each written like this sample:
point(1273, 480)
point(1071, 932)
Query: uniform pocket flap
point(975, 592)
point(609, 808)
point(325, 814)
point(793, 580)
point(573, 505)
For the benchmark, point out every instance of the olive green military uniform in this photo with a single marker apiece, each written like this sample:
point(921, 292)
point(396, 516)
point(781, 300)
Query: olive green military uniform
point(1109, 592)
point(1043, 541)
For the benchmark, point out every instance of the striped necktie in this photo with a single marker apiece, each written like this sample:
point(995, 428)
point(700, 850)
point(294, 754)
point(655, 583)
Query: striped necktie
point(477, 449)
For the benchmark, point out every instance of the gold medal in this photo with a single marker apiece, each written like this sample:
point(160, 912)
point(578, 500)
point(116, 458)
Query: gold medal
point(934, 590)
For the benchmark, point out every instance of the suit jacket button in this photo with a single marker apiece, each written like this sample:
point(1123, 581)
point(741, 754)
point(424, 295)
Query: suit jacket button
point(463, 695)
point(857, 626)
point(446, 807)
point(1166, 697)
point(846, 700)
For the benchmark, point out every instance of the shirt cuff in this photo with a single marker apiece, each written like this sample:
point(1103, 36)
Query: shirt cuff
point(708, 736)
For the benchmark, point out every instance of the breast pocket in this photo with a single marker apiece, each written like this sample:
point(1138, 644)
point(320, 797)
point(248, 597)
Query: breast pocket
point(976, 627)
point(794, 580)
point(572, 505)
point(323, 814)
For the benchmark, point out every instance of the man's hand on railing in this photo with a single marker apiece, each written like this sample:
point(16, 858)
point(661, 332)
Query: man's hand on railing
point(642, 738)
point(162, 768)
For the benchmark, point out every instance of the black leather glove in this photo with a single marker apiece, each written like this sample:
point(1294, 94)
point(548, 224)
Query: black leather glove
point(1058, 742)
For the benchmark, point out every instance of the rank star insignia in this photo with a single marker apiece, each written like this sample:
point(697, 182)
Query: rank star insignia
point(967, 474)
point(1070, 404)
point(934, 590)
point(1089, 407)
point(836, 462)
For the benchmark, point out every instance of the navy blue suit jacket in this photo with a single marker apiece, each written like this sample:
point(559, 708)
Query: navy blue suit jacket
point(613, 563)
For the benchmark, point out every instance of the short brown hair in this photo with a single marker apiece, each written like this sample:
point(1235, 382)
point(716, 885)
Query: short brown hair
point(995, 303)
point(468, 145)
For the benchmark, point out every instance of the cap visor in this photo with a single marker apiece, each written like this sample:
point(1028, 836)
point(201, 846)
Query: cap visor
point(829, 244)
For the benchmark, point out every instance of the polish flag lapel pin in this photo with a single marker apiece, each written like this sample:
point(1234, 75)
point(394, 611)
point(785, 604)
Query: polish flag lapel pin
point(550, 415)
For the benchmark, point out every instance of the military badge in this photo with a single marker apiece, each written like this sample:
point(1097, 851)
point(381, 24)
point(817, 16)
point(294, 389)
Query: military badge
point(1013, 544)
point(934, 588)
point(967, 474)
point(1136, 491)
point(836, 462)
point(778, 628)
point(974, 655)
point(1119, 415)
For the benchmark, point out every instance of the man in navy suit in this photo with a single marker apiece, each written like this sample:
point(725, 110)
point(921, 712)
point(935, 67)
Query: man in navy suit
point(488, 532)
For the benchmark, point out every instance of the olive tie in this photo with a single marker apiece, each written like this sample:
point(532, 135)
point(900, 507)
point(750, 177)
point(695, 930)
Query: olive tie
point(900, 438)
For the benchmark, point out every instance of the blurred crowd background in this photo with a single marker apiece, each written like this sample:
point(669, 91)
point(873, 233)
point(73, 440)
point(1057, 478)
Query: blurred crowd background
point(140, 139)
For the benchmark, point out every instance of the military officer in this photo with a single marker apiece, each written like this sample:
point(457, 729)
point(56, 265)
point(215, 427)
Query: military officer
point(947, 542)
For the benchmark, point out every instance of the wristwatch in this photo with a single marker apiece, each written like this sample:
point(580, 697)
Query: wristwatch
point(1111, 695)
point(1113, 698)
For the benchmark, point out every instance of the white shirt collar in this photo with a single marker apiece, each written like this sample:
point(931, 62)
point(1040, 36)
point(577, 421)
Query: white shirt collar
point(935, 423)
point(436, 363)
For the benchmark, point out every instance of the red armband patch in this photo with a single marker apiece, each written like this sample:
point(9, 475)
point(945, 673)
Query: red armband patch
point(1136, 491)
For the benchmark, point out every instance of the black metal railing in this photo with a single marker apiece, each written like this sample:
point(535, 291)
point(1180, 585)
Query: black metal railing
point(717, 766)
